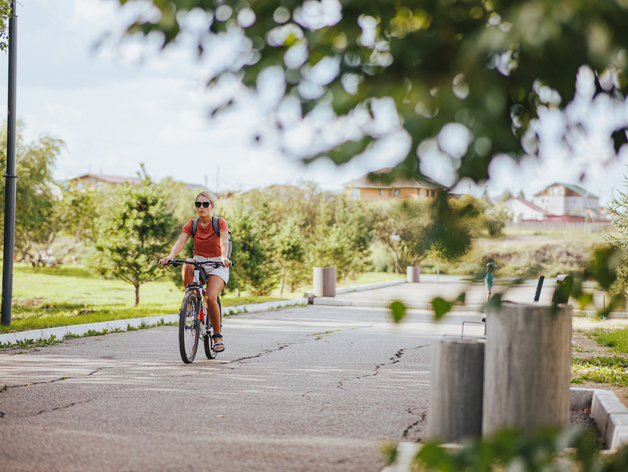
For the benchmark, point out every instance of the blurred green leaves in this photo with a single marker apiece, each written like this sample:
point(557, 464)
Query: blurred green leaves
point(397, 311)
point(488, 65)
point(441, 306)
point(546, 450)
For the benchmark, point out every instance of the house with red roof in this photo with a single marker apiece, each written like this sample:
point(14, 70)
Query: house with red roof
point(567, 200)
point(520, 209)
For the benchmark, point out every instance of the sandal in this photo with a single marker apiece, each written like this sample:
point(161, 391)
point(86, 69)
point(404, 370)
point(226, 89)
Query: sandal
point(218, 347)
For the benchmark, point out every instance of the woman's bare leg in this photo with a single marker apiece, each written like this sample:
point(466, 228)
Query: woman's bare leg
point(187, 272)
point(214, 286)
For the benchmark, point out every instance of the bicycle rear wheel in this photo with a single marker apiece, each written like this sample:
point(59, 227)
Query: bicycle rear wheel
point(208, 341)
point(189, 327)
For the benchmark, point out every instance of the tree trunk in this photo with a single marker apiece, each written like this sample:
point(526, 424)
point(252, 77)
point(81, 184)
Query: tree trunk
point(137, 294)
point(283, 278)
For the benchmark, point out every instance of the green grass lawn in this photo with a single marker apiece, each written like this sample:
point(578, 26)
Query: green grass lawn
point(67, 295)
point(371, 278)
point(616, 339)
point(62, 296)
point(611, 370)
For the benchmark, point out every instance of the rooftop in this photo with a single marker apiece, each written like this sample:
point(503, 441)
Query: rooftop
point(366, 182)
point(574, 188)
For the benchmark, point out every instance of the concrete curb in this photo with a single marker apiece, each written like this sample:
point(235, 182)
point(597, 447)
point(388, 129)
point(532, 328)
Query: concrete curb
point(592, 314)
point(361, 288)
point(385, 304)
point(148, 321)
point(611, 418)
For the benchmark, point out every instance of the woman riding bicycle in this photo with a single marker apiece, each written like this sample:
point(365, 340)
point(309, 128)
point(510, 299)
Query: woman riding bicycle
point(207, 247)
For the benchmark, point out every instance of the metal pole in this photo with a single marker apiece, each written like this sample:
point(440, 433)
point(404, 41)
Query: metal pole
point(10, 188)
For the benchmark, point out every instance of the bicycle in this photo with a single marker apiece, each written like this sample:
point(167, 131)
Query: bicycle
point(194, 320)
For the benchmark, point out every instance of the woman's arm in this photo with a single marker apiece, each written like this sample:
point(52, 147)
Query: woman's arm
point(176, 249)
point(224, 248)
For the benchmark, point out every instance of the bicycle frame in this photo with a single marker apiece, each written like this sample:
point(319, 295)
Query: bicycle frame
point(198, 286)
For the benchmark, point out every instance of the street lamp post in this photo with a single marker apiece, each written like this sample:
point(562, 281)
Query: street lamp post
point(10, 176)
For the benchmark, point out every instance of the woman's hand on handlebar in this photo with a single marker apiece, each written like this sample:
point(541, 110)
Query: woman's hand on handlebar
point(225, 261)
point(165, 260)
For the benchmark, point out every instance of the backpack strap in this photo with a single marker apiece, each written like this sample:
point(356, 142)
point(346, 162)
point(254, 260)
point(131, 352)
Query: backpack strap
point(215, 221)
point(215, 225)
point(194, 226)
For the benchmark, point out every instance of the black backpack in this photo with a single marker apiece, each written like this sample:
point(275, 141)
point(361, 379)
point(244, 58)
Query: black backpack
point(216, 230)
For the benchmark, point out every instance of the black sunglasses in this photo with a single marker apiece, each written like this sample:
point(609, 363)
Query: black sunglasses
point(198, 204)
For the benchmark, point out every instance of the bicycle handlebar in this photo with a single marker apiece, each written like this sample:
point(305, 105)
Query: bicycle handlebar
point(197, 264)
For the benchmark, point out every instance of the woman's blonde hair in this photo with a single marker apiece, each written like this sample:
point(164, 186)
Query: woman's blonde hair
point(207, 194)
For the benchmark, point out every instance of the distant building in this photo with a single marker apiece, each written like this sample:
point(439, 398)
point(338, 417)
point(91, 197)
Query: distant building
point(520, 209)
point(569, 200)
point(372, 188)
point(97, 180)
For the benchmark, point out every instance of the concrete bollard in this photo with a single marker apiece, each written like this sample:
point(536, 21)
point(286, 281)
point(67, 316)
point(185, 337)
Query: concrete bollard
point(413, 274)
point(526, 368)
point(455, 399)
point(324, 281)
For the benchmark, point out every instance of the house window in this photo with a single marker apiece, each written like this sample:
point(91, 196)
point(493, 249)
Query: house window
point(389, 192)
point(397, 192)
point(355, 193)
point(432, 193)
point(381, 192)
point(427, 193)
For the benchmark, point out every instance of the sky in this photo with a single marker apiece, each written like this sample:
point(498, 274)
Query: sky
point(121, 104)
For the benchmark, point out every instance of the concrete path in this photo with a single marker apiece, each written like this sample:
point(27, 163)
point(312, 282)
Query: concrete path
point(424, 292)
point(312, 388)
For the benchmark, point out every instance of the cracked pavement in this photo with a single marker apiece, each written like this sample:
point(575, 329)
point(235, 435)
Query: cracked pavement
point(308, 388)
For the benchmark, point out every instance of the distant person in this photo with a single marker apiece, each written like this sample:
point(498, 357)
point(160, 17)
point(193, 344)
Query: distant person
point(73, 259)
point(488, 279)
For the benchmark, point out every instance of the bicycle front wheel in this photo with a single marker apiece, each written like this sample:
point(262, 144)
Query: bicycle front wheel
point(189, 327)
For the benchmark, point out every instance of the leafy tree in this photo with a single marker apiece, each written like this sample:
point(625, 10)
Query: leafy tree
point(253, 257)
point(37, 195)
point(77, 212)
point(400, 225)
point(494, 220)
point(618, 211)
point(414, 229)
point(5, 15)
point(339, 238)
point(134, 230)
point(488, 66)
point(178, 201)
point(290, 251)
point(506, 195)
point(521, 194)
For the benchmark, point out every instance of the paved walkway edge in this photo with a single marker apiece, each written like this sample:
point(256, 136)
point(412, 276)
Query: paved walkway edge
point(361, 288)
point(609, 413)
point(428, 306)
point(385, 304)
point(133, 323)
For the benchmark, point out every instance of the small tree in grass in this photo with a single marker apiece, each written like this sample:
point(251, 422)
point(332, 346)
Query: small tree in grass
point(290, 250)
point(134, 232)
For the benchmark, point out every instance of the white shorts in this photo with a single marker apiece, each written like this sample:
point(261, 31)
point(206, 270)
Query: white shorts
point(222, 272)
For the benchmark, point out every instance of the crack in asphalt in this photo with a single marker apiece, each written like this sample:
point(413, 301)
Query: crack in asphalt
point(263, 353)
point(3, 415)
point(6, 387)
point(416, 423)
point(395, 359)
point(61, 407)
